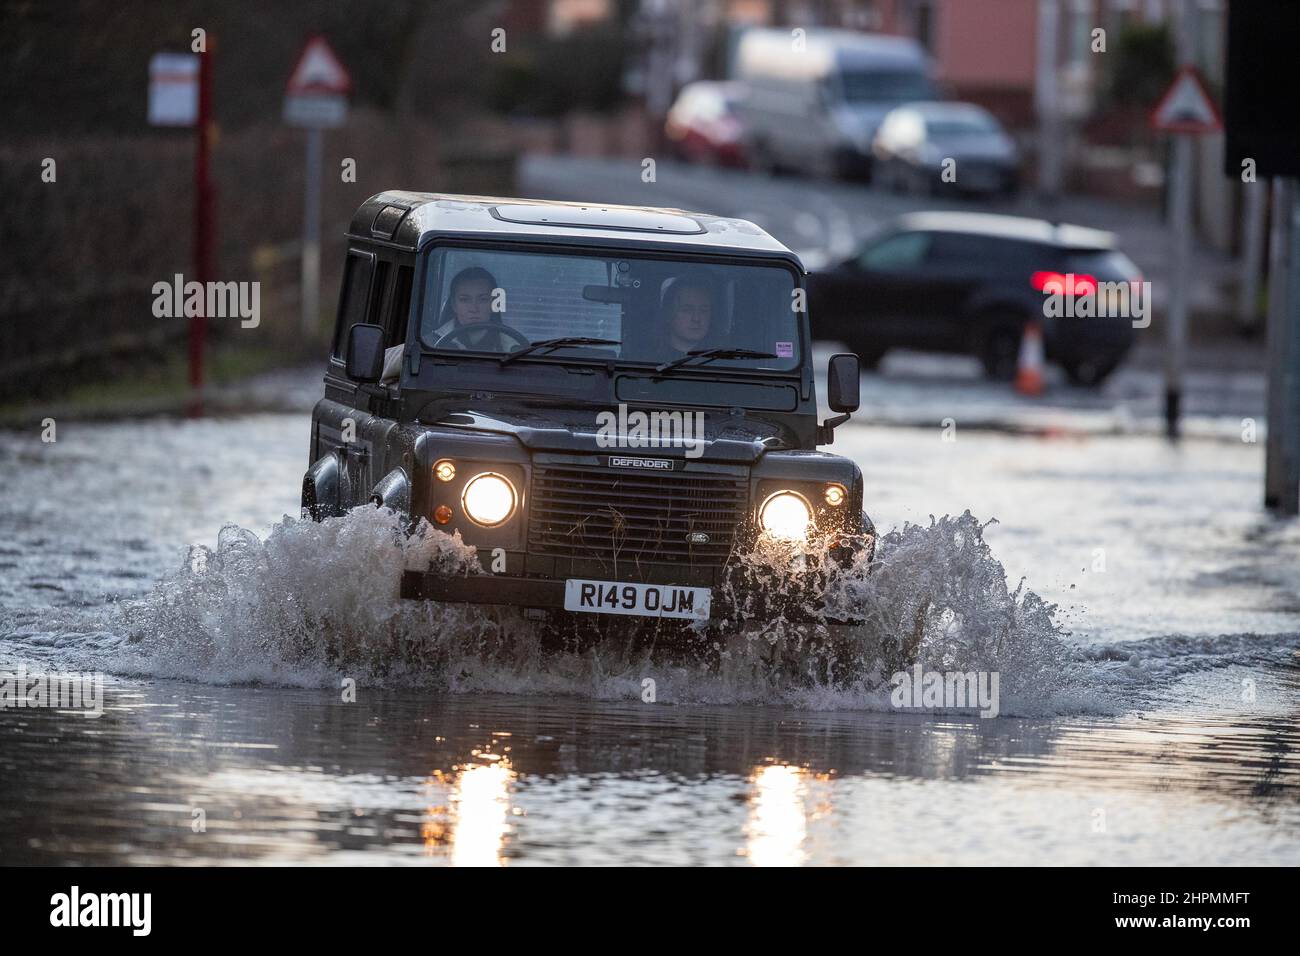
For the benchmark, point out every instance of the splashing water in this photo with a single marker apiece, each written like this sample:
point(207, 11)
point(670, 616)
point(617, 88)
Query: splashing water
point(314, 602)
point(933, 596)
point(938, 597)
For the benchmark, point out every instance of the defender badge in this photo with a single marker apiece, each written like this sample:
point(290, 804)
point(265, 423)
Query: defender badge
point(656, 464)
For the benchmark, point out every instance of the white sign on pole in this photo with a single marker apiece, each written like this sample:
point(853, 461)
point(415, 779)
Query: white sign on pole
point(316, 96)
point(173, 89)
point(1186, 107)
point(315, 111)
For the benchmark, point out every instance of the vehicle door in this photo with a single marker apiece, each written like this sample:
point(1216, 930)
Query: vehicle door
point(955, 266)
point(881, 291)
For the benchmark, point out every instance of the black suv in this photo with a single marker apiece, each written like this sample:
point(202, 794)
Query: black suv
point(969, 282)
point(612, 405)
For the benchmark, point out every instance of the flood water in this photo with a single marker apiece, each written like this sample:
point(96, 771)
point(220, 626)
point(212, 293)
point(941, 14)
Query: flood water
point(269, 699)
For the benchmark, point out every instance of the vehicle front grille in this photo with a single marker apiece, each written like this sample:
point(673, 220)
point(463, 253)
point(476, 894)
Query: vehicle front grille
point(582, 511)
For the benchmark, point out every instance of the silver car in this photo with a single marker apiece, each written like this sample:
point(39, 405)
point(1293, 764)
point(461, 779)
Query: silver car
point(928, 148)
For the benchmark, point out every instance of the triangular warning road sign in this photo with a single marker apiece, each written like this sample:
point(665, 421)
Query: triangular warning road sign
point(319, 70)
point(1186, 107)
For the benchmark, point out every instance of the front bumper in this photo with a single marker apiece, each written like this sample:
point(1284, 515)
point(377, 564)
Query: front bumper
point(730, 603)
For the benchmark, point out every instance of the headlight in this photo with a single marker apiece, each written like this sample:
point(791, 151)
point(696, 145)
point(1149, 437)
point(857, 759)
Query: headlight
point(488, 499)
point(785, 515)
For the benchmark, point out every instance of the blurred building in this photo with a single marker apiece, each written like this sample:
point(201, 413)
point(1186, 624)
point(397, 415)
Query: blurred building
point(987, 51)
point(565, 16)
point(555, 18)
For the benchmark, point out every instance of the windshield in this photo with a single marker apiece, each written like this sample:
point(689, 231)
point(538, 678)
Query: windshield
point(968, 124)
point(1109, 265)
point(885, 86)
point(649, 310)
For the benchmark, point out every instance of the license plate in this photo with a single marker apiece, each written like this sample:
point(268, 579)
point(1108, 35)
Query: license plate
point(643, 600)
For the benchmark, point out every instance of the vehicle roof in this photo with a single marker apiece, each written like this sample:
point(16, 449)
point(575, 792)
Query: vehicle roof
point(426, 215)
point(824, 49)
point(726, 88)
point(939, 109)
point(1008, 227)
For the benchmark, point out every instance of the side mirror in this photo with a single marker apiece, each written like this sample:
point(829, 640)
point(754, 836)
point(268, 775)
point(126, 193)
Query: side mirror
point(365, 355)
point(843, 377)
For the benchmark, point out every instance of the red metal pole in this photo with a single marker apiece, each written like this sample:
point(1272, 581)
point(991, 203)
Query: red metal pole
point(204, 227)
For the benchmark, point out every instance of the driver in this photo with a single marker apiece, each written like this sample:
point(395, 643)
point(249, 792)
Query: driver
point(687, 315)
point(469, 306)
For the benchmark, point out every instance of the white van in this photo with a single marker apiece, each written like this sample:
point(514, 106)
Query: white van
point(815, 97)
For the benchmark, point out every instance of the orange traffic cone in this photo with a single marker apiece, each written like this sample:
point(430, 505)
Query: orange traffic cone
point(1029, 366)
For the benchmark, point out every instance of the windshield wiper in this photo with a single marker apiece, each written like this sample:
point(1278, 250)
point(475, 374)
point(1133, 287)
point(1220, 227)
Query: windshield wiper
point(561, 342)
point(709, 355)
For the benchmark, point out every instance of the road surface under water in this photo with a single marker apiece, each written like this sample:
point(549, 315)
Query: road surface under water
point(1148, 717)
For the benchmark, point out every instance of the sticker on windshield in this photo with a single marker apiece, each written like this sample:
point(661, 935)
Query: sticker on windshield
point(785, 350)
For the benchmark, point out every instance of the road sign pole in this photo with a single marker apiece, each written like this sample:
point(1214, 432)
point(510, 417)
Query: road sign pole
point(1290, 425)
point(1255, 198)
point(315, 98)
point(311, 236)
point(1279, 230)
point(1047, 99)
point(1263, 135)
point(1282, 448)
point(1180, 243)
point(203, 225)
point(1180, 238)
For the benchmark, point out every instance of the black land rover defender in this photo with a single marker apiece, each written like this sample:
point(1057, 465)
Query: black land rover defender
point(612, 404)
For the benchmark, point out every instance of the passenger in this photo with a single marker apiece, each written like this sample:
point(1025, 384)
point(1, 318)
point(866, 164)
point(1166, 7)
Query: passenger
point(687, 315)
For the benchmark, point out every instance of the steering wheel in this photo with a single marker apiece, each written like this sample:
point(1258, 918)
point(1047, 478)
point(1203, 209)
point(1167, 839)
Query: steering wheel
point(455, 335)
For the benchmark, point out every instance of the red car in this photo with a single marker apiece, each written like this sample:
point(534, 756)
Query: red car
point(702, 125)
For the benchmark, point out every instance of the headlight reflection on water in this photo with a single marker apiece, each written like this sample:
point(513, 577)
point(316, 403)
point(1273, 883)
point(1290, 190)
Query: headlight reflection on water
point(778, 828)
point(477, 820)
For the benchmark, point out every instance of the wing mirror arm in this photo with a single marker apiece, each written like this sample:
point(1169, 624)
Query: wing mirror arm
point(826, 430)
point(843, 381)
